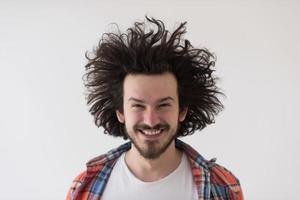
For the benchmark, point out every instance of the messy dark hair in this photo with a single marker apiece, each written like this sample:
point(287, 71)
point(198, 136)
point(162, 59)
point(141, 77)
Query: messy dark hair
point(151, 50)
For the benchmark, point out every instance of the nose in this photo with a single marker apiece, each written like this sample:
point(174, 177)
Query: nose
point(151, 117)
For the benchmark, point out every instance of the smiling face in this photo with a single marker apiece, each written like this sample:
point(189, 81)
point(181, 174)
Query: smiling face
point(151, 112)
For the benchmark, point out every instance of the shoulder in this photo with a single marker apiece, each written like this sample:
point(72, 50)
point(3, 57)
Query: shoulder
point(224, 182)
point(77, 182)
point(85, 181)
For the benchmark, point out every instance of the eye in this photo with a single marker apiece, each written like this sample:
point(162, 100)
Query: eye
point(164, 105)
point(137, 106)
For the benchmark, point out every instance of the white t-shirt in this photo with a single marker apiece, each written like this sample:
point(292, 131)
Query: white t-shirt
point(178, 185)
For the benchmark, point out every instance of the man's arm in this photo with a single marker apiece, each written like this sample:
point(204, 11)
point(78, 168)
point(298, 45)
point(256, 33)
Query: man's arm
point(224, 183)
point(75, 185)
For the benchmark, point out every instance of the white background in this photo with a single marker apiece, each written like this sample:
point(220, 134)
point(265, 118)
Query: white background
point(47, 133)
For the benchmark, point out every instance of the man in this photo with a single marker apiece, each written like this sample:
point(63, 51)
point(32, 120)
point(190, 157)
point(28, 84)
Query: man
point(151, 87)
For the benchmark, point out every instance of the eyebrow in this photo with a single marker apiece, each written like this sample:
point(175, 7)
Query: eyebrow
point(158, 101)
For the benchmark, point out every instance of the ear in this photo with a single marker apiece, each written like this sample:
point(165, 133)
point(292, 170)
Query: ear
point(120, 116)
point(182, 114)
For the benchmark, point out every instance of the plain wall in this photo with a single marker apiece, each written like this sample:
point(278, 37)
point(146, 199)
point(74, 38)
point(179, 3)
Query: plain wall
point(47, 133)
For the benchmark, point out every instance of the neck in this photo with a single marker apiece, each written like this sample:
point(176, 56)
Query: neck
point(149, 170)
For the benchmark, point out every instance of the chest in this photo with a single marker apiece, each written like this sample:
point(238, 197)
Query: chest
point(178, 185)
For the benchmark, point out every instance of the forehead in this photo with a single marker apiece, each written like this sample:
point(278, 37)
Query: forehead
point(150, 87)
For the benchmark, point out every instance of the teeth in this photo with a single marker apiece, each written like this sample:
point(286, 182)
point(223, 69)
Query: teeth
point(151, 132)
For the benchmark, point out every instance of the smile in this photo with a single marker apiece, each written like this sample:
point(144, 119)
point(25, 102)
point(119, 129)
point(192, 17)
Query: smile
point(151, 132)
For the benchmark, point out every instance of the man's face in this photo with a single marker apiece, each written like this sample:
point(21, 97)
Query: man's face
point(151, 112)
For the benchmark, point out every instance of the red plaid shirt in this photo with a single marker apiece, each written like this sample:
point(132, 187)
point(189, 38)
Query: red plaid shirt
point(212, 180)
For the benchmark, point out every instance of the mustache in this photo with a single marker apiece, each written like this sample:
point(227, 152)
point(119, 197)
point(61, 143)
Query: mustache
point(147, 127)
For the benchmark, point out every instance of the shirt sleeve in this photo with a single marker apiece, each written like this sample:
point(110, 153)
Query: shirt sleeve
point(224, 184)
point(75, 184)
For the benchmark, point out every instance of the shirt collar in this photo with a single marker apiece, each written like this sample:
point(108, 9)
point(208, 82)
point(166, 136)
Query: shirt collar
point(114, 154)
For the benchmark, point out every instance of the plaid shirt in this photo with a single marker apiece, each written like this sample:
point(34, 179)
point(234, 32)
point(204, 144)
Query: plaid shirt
point(212, 180)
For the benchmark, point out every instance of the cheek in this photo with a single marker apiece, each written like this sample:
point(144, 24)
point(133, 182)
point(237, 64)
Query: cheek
point(170, 117)
point(132, 118)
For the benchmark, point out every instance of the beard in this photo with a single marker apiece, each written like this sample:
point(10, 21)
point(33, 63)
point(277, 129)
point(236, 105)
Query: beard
point(152, 149)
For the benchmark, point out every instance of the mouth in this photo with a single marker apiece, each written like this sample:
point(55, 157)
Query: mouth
point(150, 133)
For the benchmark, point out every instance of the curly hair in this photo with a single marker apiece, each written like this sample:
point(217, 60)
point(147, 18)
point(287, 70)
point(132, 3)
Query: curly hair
point(152, 51)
